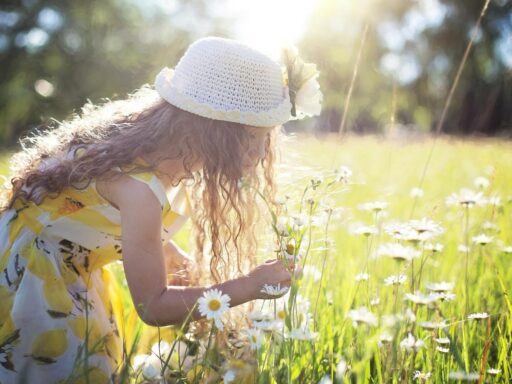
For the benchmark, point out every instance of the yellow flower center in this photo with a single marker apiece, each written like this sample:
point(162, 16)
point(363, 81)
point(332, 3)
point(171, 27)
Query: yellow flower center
point(214, 305)
point(281, 314)
point(290, 249)
point(253, 338)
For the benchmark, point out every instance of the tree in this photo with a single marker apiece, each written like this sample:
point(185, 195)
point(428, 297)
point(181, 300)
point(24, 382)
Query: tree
point(410, 58)
point(56, 55)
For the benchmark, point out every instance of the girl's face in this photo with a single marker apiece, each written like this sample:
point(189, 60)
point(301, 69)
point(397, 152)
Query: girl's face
point(256, 148)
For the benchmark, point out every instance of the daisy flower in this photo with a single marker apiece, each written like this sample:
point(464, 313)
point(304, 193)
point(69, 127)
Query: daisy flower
point(466, 198)
point(362, 277)
point(410, 343)
point(374, 206)
point(365, 230)
point(442, 349)
point(395, 280)
point(362, 315)
point(466, 376)
point(478, 316)
point(481, 182)
point(213, 304)
point(274, 290)
point(255, 337)
point(493, 371)
point(398, 251)
point(418, 298)
point(482, 239)
point(442, 340)
point(422, 376)
point(440, 287)
point(416, 192)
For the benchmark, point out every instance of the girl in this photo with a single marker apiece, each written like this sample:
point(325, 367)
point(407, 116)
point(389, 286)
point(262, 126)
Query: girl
point(111, 185)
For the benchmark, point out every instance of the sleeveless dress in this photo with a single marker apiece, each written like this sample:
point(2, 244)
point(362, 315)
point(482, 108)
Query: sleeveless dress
point(60, 308)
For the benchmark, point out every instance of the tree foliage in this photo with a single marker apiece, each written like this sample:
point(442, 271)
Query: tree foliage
point(55, 55)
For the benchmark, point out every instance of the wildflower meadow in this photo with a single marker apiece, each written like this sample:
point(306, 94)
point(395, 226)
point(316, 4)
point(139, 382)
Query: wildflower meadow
point(405, 250)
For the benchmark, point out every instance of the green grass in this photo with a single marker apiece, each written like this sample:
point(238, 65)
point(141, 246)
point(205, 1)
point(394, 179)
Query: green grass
point(386, 171)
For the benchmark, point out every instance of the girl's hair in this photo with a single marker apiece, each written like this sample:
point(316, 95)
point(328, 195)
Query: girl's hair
point(115, 133)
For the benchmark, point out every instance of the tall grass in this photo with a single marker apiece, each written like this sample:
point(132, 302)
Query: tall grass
point(366, 331)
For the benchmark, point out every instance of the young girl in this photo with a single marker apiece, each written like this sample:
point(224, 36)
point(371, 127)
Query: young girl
point(111, 185)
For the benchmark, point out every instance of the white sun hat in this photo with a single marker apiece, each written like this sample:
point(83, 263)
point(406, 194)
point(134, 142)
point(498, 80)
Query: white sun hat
point(224, 79)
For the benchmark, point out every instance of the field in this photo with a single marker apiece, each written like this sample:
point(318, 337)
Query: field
point(407, 249)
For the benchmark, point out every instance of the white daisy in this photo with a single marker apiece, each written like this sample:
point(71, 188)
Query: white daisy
point(435, 248)
point(466, 376)
point(482, 239)
point(440, 287)
point(213, 304)
point(442, 349)
point(398, 251)
point(344, 173)
point(365, 230)
point(481, 182)
point(422, 376)
point(478, 316)
point(416, 192)
point(421, 299)
point(433, 325)
point(302, 334)
point(341, 368)
point(442, 340)
point(274, 290)
point(507, 249)
point(362, 277)
point(255, 337)
point(466, 198)
point(493, 371)
point(362, 315)
point(410, 343)
point(374, 206)
point(463, 248)
point(395, 280)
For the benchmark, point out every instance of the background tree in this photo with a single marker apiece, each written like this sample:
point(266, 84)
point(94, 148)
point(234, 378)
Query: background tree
point(55, 55)
point(409, 60)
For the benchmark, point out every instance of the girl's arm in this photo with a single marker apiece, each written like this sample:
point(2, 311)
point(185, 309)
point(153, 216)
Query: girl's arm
point(144, 265)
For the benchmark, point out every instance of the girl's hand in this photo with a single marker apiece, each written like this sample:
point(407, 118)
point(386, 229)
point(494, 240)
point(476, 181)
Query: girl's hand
point(272, 272)
point(178, 265)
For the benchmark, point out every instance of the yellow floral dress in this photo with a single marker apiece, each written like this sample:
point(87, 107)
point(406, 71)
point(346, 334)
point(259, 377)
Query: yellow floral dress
point(59, 304)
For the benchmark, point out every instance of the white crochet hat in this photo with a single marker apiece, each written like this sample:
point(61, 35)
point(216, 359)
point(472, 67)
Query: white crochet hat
point(223, 79)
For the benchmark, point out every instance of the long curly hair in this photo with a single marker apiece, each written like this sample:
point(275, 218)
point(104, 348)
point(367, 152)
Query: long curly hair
point(115, 133)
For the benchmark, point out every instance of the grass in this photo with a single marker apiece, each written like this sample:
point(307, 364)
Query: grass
point(376, 347)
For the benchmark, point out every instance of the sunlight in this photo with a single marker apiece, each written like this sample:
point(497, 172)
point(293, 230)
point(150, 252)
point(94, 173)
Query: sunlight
point(269, 24)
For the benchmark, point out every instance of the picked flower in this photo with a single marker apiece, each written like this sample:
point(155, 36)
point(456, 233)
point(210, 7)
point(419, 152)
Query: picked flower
point(274, 290)
point(213, 304)
point(303, 86)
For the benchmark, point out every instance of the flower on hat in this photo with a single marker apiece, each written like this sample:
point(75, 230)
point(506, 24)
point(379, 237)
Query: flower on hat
point(301, 79)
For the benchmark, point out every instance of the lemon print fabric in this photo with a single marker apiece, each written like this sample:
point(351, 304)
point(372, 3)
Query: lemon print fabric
point(60, 313)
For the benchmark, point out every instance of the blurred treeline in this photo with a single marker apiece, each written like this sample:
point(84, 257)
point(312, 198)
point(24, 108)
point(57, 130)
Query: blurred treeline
point(56, 55)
